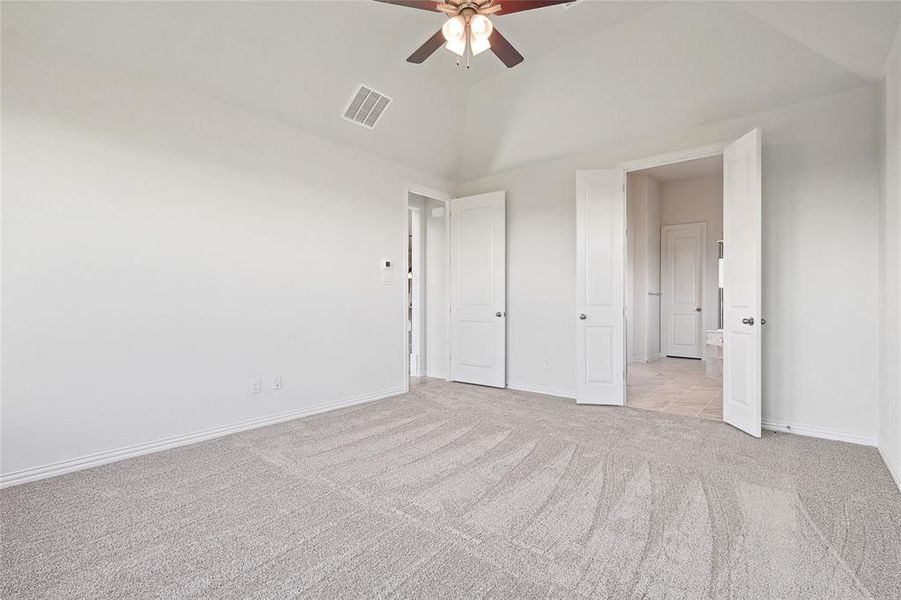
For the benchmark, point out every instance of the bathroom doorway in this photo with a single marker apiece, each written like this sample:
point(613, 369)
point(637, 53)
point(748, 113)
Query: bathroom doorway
point(674, 245)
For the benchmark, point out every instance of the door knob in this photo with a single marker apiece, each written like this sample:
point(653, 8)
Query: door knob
point(698, 309)
point(498, 314)
point(748, 321)
point(583, 316)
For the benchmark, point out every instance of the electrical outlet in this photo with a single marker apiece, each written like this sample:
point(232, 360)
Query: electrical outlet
point(256, 385)
point(277, 382)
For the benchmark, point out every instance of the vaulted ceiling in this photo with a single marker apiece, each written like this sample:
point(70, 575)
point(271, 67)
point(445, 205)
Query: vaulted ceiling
point(597, 70)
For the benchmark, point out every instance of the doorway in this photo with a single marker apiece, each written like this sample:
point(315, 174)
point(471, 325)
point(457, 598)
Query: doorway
point(425, 285)
point(674, 226)
point(607, 301)
point(454, 320)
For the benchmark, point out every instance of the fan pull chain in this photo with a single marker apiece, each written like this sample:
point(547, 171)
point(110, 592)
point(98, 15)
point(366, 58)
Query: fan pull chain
point(468, 44)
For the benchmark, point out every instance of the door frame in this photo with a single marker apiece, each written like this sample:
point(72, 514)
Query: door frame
point(703, 269)
point(421, 190)
point(647, 162)
point(669, 158)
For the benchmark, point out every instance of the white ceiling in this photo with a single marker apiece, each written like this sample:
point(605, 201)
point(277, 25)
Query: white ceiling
point(701, 167)
point(597, 69)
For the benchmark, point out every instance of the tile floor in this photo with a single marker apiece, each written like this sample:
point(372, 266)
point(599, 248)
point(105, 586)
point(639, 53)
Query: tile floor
point(676, 386)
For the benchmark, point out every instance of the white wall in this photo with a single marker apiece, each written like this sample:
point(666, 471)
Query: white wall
point(436, 290)
point(699, 200)
point(890, 273)
point(643, 267)
point(821, 221)
point(160, 249)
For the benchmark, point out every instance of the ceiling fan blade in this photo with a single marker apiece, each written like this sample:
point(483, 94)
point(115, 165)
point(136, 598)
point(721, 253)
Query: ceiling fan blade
point(504, 50)
point(427, 49)
point(430, 5)
point(515, 6)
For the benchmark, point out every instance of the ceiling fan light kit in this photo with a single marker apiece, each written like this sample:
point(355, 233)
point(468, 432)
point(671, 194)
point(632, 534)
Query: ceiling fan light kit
point(468, 30)
point(467, 34)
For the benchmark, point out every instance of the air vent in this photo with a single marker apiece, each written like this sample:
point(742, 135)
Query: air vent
point(366, 106)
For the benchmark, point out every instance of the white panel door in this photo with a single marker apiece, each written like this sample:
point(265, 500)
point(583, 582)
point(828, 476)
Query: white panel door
point(742, 283)
point(478, 289)
point(600, 283)
point(682, 277)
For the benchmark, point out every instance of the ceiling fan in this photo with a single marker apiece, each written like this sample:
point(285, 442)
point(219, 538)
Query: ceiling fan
point(468, 30)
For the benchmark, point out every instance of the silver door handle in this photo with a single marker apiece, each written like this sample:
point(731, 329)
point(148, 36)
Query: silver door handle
point(583, 316)
point(698, 309)
point(748, 321)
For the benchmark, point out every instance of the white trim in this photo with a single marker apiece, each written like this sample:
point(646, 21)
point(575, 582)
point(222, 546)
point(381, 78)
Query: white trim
point(893, 468)
point(819, 432)
point(436, 374)
point(405, 299)
point(542, 389)
point(416, 299)
point(669, 158)
point(101, 458)
point(421, 190)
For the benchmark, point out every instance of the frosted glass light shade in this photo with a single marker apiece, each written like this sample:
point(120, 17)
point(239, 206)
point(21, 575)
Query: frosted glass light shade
point(479, 45)
point(454, 28)
point(458, 47)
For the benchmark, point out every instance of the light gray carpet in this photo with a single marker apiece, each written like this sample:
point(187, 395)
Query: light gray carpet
point(458, 491)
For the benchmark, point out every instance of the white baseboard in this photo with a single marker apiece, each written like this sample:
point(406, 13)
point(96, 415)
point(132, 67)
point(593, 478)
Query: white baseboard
point(819, 432)
point(893, 467)
point(542, 389)
point(436, 374)
point(101, 458)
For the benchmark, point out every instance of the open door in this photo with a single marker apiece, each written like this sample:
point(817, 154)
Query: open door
point(742, 283)
point(600, 283)
point(478, 289)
